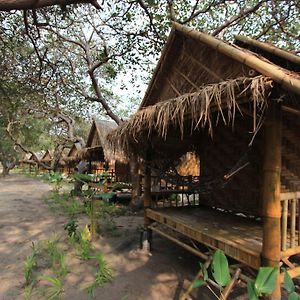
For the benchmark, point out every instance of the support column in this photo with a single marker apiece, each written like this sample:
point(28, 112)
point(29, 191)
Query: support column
point(270, 191)
point(147, 197)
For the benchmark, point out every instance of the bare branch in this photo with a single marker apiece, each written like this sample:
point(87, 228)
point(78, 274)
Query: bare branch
point(241, 15)
point(8, 5)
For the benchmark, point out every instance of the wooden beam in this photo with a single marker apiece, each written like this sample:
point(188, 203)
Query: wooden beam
point(269, 48)
point(270, 190)
point(291, 110)
point(173, 88)
point(186, 79)
point(208, 70)
point(281, 76)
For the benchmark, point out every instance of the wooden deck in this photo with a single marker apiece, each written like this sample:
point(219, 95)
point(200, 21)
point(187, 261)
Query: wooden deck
point(239, 237)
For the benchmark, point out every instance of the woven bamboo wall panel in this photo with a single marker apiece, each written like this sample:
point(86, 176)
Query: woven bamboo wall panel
point(228, 146)
point(290, 173)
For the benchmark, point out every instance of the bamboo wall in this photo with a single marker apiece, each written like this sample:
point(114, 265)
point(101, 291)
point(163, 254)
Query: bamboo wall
point(241, 194)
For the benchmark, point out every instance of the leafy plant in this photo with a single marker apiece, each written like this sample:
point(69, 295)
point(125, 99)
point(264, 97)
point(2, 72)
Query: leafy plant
point(102, 276)
point(290, 287)
point(57, 258)
point(56, 288)
point(84, 247)
point(56, 178)
point(28, 291)
point(264, 283)
point(29, 264)
point(71, 228)
point(220, 269)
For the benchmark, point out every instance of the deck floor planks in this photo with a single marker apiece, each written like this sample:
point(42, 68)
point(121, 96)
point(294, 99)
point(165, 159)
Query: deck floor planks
point(238, 237)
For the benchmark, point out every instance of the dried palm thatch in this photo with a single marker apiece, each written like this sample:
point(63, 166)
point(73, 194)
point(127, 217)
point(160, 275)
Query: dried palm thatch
point(222, 98)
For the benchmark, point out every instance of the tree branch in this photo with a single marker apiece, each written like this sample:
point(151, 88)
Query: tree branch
point(8, 5)
point(241, 15)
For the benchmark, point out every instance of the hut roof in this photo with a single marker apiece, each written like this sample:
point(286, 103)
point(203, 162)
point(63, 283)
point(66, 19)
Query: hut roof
point(281, 57)
point(47, 156)
point(196, 76)
point(97, 137)
point(36, 156)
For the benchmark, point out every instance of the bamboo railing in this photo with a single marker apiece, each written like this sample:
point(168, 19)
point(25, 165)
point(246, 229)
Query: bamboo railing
point(290, 221)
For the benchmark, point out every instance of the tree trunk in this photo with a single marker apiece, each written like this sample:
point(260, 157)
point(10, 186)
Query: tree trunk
point(6, 167)
point(136, 199)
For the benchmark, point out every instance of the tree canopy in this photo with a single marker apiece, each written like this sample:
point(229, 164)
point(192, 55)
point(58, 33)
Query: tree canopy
point(95, 58)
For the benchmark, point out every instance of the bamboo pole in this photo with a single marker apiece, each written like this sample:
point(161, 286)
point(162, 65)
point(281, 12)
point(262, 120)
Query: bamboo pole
point(147, 189)
point(290, 82)
point(293, 223)
point(269, 48)
point(284, 224)
point(298, 221)
point(270, 191)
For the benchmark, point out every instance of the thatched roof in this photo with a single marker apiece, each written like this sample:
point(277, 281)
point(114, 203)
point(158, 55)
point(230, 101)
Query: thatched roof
point(97, 138)
point(75, 151)
point(198, 80)
point(48, 156)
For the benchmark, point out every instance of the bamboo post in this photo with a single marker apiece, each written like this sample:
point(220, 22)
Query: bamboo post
point(298, 222)
point(147, 196)
point(284, 224)
point(293, 223)
point(270, 192)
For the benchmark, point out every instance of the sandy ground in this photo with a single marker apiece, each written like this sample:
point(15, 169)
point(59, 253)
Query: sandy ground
point(25, 218)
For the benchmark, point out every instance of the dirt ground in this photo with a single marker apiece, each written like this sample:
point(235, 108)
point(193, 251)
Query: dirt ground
point(26, 218)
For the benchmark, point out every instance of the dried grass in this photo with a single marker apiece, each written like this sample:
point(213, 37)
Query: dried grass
point(221, 98)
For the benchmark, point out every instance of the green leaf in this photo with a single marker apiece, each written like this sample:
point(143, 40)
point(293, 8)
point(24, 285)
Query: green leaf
point(220, 269)
point(293, 296)
point(204, 272)
point(266, 280)
point(197, 283)
point(288, 283)
point(252, 294)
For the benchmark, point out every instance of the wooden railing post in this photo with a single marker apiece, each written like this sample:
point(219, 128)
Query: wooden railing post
point(271, 190)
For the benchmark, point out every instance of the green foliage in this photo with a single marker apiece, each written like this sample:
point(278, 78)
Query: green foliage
point(83, 246)
point(71, 228)
point(29, 265)
point(265, 281)
point(28, 291)
point(83, 177)
point(288, 283)
point(102, 276)
point(220, 269)
point(56, 288)
point(290, 287)
point(56, 257)
point(56, 178)
point(66, 203)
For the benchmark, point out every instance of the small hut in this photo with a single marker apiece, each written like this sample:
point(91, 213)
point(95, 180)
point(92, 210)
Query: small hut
point(46, 159)
point(24, 161)
point(73, 157)
point(239, 111)
point(99, 154)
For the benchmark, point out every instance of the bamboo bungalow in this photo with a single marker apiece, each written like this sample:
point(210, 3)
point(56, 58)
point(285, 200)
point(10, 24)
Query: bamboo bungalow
point(33, 160)
point(99, 154)
point(240, 113)
point(47, 159)
point(24, 161)
point(73, 157)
